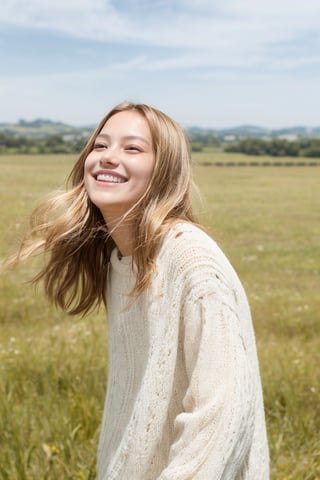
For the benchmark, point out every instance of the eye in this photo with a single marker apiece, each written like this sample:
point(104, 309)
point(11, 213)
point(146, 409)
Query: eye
point(133, 148)
point(99, 146)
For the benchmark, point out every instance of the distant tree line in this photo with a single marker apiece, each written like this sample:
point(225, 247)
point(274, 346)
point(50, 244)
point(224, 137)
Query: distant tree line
point(72, 144)
point(50, 144)
point(304, 147)
point(277, 147)
point(200, 140)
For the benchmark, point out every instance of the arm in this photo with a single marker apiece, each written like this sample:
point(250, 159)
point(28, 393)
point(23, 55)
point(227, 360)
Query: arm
point(214, 432)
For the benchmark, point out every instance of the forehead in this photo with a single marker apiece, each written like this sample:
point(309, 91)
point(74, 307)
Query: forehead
point(127, 122)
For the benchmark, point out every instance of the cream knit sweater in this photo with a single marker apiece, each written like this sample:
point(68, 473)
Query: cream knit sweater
point(184, 398)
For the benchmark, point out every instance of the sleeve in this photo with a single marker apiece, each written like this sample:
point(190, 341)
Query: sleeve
point(215, 429)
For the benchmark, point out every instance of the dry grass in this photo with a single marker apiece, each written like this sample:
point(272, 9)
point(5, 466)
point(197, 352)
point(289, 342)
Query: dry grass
point(53, 368)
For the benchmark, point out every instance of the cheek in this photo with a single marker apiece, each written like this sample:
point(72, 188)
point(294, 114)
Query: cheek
point(87, 163)
point(151, 172)
point(147, 171)
point(86, 169)
point(144, 179)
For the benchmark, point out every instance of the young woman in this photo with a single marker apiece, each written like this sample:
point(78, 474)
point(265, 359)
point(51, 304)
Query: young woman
point(184, 398)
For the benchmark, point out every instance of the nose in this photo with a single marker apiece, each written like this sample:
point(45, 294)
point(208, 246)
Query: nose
point(109, 157)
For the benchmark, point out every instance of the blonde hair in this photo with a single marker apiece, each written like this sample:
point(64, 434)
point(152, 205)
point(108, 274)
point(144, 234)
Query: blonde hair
point(77, 240)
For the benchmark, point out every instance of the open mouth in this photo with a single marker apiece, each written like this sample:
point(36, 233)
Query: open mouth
point(105, 177)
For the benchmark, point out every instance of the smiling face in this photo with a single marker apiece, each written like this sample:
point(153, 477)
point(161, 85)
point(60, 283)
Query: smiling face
point(118, 170)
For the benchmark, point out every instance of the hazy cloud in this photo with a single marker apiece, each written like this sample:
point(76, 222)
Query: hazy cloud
point(131, 46)
point(185, 24)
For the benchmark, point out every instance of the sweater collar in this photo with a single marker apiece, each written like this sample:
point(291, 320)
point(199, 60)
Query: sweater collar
point(121, 265)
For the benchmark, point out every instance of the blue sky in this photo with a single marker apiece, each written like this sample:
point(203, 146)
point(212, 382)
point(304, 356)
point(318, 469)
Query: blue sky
point(206, 63)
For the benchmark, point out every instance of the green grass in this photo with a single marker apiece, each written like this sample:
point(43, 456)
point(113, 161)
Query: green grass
point(53, 368)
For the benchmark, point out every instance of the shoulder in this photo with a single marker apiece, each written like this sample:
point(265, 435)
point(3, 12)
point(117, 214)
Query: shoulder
point(187, 249)
point(190, 232)
point(178, 233)
point(192, 262)
point(186, 241)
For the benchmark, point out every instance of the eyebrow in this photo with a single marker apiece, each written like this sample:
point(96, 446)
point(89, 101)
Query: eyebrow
point(125, 138)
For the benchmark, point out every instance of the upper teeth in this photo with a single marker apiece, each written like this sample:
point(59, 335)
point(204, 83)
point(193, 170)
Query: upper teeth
point(109, 178)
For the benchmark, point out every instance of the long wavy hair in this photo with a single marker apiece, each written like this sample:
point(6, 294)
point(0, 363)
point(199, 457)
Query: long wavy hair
point(71, 230)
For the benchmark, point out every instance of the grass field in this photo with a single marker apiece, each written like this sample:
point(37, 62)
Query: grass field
point(53, 368)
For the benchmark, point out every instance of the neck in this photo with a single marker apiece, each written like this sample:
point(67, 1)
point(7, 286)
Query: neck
point(121, 233)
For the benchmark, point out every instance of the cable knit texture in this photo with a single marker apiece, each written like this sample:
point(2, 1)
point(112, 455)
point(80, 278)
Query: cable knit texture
point(184, 398)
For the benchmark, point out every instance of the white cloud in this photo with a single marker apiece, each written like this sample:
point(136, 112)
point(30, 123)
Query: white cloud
point(206, 47)
point(207, 33)
point(188, 24)
point(273, 7)
point(77, 18)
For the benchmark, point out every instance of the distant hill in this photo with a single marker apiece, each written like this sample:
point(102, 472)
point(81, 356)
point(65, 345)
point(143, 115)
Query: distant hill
point(42, 128)
point(253, 131)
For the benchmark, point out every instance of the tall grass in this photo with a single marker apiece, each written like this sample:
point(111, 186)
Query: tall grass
point(53, 368)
